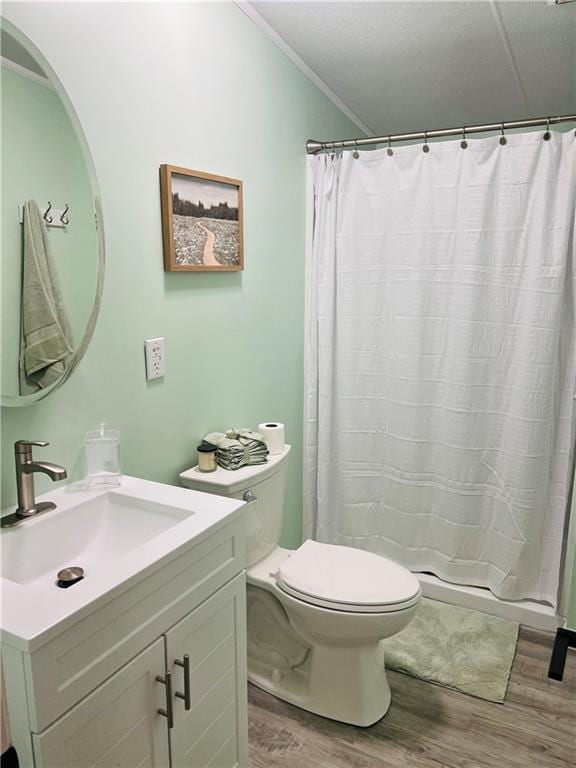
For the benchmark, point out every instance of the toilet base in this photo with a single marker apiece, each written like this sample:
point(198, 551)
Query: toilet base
point(344, 684)
point(325, 661)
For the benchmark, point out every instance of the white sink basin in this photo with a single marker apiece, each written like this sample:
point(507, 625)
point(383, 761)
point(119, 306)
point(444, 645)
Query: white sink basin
point(116, 536)
point(91, 534)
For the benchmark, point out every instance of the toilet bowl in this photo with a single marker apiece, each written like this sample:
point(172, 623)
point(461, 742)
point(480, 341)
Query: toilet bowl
point(317, 615)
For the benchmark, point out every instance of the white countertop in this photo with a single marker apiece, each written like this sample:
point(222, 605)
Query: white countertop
point(30, 616)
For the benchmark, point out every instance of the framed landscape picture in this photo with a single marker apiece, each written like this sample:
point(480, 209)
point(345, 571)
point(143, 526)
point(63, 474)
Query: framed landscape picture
point(201, 221)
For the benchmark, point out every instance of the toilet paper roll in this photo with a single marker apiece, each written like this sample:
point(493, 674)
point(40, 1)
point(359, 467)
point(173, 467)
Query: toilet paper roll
point(273, 433)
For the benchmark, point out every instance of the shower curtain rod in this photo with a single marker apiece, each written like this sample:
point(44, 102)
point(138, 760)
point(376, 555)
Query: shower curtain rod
point(313, 146)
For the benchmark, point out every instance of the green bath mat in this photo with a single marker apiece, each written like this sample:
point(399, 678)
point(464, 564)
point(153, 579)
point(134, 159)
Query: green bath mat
point(456, 647)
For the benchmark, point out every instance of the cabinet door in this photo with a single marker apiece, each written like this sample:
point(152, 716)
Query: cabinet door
point(213, 732)
point(116, 726)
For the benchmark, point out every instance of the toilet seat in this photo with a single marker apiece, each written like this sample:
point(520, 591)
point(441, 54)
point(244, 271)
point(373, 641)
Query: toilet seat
point(347, 579)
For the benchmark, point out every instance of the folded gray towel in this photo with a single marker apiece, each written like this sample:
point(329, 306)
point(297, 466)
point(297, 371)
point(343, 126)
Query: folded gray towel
point(238, 448)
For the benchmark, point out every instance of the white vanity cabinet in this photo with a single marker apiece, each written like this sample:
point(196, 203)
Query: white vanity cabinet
point(115, 725)
point(95, 695)
point(119, 724)
point(213, 638)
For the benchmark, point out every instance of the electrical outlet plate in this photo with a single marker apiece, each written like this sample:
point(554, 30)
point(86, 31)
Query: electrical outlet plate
point(154, 353)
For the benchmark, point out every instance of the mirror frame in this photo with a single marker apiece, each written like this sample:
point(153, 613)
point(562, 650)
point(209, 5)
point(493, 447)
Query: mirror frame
point(19, 401)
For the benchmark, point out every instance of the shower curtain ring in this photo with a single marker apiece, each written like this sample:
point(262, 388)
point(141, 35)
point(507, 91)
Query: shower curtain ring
point(355, 154)
point(547, 135)
point(389, 151)
point(425, 147)
point(464, 143)
point(503, 139)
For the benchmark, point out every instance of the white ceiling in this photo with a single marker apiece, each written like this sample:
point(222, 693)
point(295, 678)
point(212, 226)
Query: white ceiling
point(411, 65)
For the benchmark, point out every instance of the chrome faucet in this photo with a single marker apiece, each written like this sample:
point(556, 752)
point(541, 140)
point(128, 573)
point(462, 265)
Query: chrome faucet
point(26, 467)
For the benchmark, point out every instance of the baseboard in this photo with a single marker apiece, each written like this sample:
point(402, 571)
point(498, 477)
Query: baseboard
point(565, 638)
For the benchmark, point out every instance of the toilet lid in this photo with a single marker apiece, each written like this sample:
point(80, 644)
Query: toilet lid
point(345, 578)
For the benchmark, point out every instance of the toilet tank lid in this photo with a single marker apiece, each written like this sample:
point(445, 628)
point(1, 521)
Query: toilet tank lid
point(229, 481)
point(346, 575)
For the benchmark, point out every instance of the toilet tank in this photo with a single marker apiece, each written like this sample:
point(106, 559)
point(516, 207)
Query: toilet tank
point(263, 487)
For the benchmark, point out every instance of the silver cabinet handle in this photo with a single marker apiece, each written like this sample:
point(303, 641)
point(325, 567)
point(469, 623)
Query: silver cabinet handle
point(168, 713)
point(185, 664)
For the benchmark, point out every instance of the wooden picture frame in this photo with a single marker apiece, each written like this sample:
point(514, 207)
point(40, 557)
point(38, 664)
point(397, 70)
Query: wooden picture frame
point(205, 234)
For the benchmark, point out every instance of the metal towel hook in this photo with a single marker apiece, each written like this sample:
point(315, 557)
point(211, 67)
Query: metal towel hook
point(48, 219)
point(63, 217)
point(503, 139)
point(425, 147)
point(389, 151)
point(547, 135)
point(356, 154)
point(464, 143)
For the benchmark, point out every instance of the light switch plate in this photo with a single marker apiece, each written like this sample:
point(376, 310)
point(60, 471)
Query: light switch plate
point(154, 353)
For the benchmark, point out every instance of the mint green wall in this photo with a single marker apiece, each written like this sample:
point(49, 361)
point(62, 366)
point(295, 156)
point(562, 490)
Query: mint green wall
point(42, 160)
point(196, 85)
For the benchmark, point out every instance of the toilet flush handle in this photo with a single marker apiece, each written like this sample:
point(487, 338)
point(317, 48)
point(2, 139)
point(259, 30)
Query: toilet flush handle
point(249, 496)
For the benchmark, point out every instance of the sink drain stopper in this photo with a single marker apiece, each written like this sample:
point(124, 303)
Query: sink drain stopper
point(69, 576)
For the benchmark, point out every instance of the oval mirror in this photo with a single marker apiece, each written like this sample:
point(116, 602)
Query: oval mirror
point(52, 230)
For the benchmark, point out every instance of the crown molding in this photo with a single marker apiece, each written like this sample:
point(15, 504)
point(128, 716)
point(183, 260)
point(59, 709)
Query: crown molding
point(279, 41)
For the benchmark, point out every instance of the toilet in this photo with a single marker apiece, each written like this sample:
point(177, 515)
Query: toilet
point(316, 615)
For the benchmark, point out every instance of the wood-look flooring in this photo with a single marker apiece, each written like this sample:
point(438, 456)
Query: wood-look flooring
point(428, 726)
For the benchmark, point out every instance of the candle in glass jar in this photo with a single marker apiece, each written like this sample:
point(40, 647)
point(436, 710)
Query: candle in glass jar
point(207, 457)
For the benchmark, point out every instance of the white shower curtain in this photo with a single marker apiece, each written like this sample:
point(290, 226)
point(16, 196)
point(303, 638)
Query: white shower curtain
point(440, 357)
